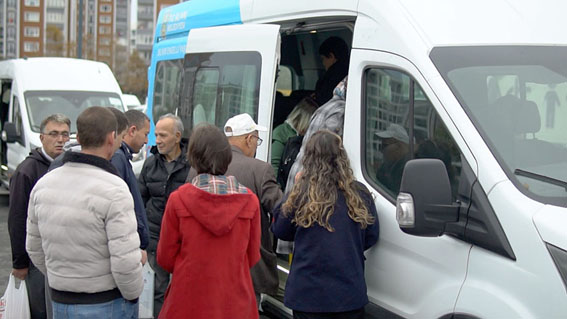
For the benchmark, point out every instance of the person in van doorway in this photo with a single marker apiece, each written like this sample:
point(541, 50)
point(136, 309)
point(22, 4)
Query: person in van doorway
point(162, 174)
point(394, 145)
point(90, 252)
point(334, 54)
point(295, 125)
point(133, 128)
point(210, 237)
point(259, 177)
point(332, 220)
point(54, 132)
point(327, 117)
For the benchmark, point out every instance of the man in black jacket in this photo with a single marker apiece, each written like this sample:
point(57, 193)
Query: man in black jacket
point(334, 54)
point(54, 132)
point(162, 173)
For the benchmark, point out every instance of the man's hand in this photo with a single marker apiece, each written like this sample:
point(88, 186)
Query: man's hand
point(20, 273)
point(144, 257)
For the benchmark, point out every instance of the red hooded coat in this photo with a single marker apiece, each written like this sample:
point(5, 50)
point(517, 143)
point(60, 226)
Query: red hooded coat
point(209, 242)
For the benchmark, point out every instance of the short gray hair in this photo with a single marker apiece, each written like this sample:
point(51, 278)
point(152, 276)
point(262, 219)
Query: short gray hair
point(178, 123)
point(56, 118)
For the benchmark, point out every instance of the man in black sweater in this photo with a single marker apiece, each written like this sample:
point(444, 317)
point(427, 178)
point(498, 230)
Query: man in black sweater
point(54, 132)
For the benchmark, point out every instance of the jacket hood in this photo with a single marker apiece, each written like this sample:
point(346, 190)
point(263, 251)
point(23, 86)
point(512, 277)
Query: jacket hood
point(37, 154)
point(217, 213)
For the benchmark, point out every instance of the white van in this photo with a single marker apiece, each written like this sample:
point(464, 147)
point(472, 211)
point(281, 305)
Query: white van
point(480, 87)
point(34, 88)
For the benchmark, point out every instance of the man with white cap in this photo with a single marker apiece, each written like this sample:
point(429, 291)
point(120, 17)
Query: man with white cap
point(258, 176)
point(394, 145)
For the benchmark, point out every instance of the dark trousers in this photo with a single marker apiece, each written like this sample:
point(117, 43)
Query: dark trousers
point(161, 282)
point(35, 284)
point(354, 314)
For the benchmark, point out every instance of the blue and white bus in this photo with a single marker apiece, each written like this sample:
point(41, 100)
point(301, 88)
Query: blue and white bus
point(170, 41)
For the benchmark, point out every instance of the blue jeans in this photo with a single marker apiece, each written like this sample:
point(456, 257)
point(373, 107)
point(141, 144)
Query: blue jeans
point(115, 309)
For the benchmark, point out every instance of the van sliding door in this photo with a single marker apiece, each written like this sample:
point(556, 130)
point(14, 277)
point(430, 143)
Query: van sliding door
point(230, 70)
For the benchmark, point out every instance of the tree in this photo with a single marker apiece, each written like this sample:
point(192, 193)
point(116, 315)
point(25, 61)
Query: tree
point(55, 42)
point(136, 80)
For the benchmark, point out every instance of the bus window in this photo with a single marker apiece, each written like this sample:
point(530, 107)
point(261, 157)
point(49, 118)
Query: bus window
point(166, 88)
point(218, 86)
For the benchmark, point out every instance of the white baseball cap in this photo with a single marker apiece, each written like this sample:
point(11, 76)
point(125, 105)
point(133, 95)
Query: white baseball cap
point(395, 131)
point(242, 124)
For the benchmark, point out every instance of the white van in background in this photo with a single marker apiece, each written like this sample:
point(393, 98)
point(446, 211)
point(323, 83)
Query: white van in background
point(34, 88)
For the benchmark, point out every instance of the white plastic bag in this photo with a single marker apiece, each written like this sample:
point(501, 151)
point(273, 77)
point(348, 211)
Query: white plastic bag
point(146, 300)
point(14, 303)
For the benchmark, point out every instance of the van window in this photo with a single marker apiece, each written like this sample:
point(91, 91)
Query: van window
point(167, 87)
point(389, 140)
point(515, 96)
point(41, 104)
point(218, 86)
point(17, 117)
point(285, 80)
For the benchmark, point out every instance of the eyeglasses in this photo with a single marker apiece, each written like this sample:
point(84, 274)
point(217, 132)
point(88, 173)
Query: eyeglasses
point(55, 134)
point(259, 141)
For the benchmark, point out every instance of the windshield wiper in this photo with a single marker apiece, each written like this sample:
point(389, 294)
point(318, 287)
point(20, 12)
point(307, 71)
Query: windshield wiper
point(542, 178)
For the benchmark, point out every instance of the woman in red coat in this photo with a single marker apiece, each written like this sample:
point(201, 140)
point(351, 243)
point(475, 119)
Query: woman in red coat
point(210, 237)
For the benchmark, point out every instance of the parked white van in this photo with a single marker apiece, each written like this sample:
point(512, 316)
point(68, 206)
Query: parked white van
point(33, 88)
point(476, 226)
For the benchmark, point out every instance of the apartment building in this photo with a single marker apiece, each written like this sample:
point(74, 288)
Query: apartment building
point(51, 28)
point(8, 28)
point(148, 11)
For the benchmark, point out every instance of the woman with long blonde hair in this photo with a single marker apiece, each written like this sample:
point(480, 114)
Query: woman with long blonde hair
point(332, 220)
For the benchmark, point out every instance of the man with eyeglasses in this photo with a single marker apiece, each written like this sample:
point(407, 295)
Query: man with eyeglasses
point(54, 132)
point(258, 176)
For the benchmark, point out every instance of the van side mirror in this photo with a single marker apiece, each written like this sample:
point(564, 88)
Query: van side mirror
point(424, 204)
point(10, 134)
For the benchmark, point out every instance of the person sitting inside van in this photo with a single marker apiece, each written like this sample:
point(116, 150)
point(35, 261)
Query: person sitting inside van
point(334, 54)
point(395, 149)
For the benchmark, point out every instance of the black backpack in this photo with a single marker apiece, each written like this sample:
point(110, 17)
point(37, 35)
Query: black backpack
point(291, 149)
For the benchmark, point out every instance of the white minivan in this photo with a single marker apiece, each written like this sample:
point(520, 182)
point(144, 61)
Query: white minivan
point(476, 225)
point(34, 88)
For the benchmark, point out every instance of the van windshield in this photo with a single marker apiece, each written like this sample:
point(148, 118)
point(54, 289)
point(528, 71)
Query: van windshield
point(41, 104)
point(517, 99)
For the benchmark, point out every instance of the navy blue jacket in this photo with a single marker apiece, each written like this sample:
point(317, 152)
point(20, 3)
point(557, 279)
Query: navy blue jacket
point(327, 271)
point(121, 160)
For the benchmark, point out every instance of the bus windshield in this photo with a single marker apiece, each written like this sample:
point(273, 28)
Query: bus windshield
point(517, 99)
point(41, 104)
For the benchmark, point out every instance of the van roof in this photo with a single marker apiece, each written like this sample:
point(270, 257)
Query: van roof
point(486, 21)
point(60, 74)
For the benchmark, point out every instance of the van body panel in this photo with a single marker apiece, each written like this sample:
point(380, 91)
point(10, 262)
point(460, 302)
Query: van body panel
point(49, 75)
point(529, 287)
point(260, 11)
point(264, 39)
point(399, 260)
point(546, 221)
